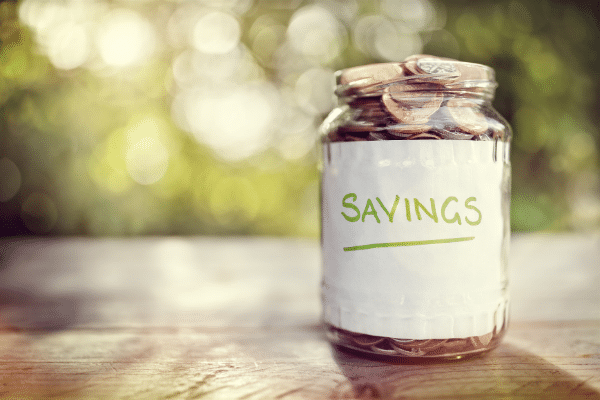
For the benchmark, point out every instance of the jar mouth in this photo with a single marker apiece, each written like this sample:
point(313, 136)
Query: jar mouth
point(418, 73)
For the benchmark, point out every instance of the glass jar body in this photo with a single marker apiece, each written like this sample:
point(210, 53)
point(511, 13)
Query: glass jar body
point(396, 294)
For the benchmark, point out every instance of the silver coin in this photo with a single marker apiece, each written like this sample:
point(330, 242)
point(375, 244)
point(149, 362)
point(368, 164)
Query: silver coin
point(436, 66)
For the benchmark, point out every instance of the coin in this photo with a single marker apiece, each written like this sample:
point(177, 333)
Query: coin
point(364, 102)
point(373, 114)
point(427, 99)
point(415, 84)
point(403, 100)
point(334, 136)
point(411, 109)
point(452, 135)
point(368, 108)
point(416, 57)
point(440, 70)
point(372, 74)
point(467, 116)
point(362, 126)
point(351, 138)
point(432, 65)
point(402, 113)
point(407, 130)
point(424, 135)
point(410, 67)
point(378, 136)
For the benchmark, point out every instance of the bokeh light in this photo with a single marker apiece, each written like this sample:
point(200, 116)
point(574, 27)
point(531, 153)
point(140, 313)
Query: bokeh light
point(125, 38)
point(201, 117)
point(69, 46)
point(216, 33)
point(315, 32)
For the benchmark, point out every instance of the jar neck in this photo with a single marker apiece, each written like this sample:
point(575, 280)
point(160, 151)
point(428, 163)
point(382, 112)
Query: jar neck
point(477, 92)
point(417, 75)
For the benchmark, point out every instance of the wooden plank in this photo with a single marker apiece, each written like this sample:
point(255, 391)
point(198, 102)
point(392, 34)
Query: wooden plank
point(244, 281)
point(232, 319)
point(288, 362)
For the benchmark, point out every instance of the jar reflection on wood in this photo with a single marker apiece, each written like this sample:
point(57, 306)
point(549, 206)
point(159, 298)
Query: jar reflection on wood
point(415, 210)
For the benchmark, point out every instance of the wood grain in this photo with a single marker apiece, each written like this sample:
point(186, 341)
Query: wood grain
point(175, 318)
point(287, 362)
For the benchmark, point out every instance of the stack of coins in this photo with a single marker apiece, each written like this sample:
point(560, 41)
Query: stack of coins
point(424, 97)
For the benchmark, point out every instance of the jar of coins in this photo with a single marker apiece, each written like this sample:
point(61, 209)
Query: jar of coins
point(415, 210)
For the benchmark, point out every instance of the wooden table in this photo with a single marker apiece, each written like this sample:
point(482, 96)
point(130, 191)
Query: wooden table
point(222, 318)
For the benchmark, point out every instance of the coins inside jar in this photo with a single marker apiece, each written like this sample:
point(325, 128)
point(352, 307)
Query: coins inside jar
point(424, 97)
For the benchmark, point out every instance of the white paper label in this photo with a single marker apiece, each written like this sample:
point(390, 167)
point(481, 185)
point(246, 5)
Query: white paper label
point(412, 237)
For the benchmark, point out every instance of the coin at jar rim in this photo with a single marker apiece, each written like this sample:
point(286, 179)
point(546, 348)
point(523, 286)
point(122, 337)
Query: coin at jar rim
point(416, 57)
point(432, 65)
point(467, 116)
point(368, 75)
point(415, 75)
point(442, 71)
point(410, 67)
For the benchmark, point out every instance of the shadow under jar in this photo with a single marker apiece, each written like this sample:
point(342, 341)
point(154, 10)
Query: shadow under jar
point(415, 196)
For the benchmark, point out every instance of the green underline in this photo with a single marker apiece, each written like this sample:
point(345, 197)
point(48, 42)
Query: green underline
point(414, 243)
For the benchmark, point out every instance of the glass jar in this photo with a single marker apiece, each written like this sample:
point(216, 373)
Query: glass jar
point(415, 196)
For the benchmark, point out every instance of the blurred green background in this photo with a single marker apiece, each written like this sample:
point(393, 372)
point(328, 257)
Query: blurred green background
point(200, 117)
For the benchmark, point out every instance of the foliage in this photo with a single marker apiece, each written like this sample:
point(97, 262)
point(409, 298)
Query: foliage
point(207, 123)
